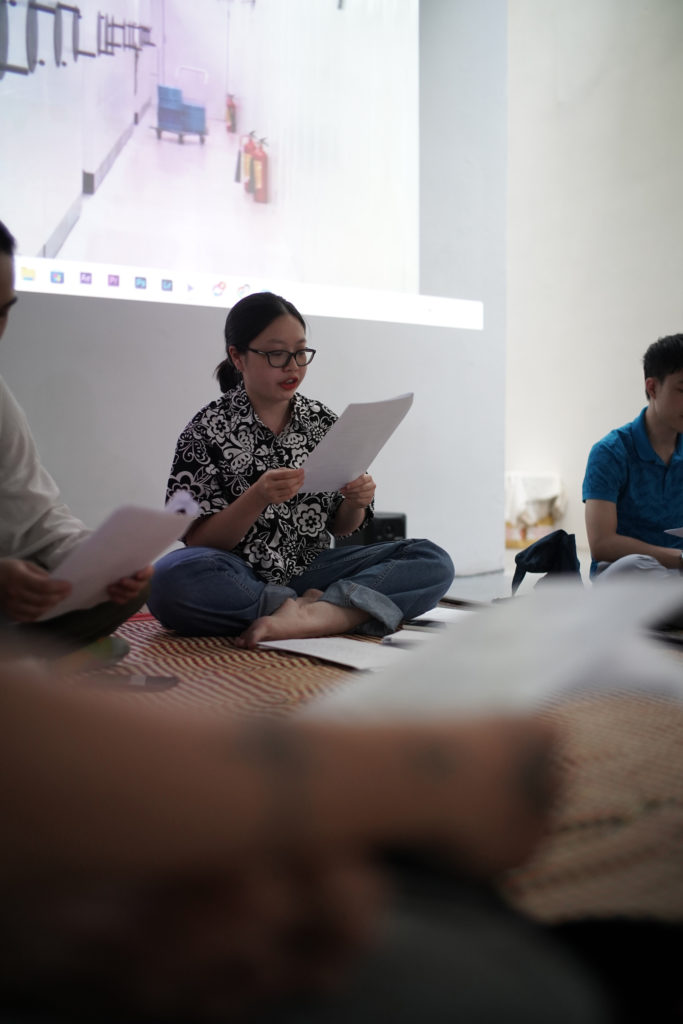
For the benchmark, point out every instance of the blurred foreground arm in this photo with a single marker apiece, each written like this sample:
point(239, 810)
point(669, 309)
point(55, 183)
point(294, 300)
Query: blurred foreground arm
point(89, 783)
point(194, 870)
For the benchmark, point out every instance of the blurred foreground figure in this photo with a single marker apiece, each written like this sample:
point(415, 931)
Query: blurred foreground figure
point(159, 867)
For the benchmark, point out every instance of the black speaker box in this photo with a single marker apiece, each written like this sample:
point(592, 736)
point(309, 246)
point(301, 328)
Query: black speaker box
point(383, 527)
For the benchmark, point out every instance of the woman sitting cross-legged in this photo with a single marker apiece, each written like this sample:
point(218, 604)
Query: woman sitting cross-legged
point(257, 563)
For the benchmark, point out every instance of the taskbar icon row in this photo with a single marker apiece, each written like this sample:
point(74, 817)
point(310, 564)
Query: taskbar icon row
point(44, 275)
point(29, 274)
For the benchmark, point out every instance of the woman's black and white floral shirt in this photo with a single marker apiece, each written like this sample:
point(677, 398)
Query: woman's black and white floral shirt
point(225, 448)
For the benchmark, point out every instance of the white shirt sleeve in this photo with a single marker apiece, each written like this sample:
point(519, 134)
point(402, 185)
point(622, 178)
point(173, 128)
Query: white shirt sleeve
point(34, 523)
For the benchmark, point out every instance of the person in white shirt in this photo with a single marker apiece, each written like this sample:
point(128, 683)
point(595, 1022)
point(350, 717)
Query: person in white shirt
point(37, 530)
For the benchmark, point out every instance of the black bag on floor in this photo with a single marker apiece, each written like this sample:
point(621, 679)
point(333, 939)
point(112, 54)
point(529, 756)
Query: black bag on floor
point(552, 555)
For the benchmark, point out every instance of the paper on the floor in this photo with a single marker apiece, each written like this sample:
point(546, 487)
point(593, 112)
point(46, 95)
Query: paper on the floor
point(516, 655)
point(372, 657)
point(343, 651)
point(443, 614)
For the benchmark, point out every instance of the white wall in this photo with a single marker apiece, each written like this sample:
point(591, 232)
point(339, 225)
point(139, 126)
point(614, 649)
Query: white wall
point(193, 38)
point(61, 121)
point(595, 261)
point(113, 90)
point(463, 143)
point(335, 92)
point(40, 113)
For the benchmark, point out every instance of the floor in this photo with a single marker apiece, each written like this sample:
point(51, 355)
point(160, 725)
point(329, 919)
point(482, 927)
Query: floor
point(487, 587)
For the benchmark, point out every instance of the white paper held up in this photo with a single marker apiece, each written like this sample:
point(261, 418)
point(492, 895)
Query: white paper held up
point(353, 442)
point(128, 540)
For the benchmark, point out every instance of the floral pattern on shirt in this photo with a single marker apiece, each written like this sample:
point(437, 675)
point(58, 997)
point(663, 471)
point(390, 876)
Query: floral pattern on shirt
point(225, 448)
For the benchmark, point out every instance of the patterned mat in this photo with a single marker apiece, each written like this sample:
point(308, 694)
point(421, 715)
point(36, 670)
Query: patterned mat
point(616, 842)
point(216, 675)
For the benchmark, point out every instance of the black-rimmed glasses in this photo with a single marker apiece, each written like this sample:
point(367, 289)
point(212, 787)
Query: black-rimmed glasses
point(280, 357)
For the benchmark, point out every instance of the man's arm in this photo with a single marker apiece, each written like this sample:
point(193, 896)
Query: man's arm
point(97, 786)
point(606, 545)
point(228, 864)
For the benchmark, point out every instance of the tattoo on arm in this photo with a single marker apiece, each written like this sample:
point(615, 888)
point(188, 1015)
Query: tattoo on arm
point(435, 761)
point(280, 756)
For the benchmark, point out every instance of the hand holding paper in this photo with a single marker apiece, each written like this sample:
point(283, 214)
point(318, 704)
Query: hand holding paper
point(127, 541)
point(128, 587)
point(353, 442)
point(360, 492)
point(27, 590)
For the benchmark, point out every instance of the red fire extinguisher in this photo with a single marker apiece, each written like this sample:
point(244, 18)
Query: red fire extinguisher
point(231, 113)
point(260, 172)
point(248, 150)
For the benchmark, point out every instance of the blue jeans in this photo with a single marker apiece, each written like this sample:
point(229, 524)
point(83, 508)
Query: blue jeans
point(199, 591)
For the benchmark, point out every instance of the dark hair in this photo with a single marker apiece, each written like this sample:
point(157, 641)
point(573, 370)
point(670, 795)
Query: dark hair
point(7, 241)
point(664, 357)
point(244, 322)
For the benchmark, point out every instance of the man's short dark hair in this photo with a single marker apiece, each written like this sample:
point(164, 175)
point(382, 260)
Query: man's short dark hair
point(664, 357)
point(7, 241)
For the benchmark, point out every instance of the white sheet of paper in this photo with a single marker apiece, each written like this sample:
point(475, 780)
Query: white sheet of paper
point(342, 650)
point(410, 639)
point(444, 614)
point(353, 442)
point(128, 540)
point(677, 531)
point(559, 640)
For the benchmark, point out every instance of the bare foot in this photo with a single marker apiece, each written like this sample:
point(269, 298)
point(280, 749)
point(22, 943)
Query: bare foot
point(305, 616)
point(269, 627)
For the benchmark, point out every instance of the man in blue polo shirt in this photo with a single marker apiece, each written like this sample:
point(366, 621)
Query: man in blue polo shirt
point(633, 487)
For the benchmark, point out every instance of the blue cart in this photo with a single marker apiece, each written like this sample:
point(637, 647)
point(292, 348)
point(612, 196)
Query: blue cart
point(173, 115)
